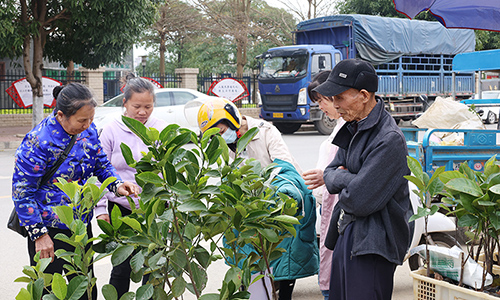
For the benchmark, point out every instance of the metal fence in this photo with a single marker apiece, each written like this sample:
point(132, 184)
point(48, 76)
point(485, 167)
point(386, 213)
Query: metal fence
point(250, 81)
point(113, 85)
point(9, 106)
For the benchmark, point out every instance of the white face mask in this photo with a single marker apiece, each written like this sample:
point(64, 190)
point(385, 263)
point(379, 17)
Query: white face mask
point(229, 136)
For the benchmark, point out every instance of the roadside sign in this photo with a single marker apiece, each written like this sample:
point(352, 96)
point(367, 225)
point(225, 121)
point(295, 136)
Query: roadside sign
point(229, 88)
point(20, 91)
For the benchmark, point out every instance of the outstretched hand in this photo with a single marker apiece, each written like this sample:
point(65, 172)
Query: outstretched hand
point(128, 189)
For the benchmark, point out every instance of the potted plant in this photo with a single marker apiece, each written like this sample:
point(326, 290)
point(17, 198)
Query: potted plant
point(83, 199)
point(195, 194)
point(473, 197)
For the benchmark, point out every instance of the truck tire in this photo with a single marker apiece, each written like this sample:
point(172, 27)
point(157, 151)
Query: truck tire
point(491, 118)
point(287, 128)
point(440, 239)
point(325, 125)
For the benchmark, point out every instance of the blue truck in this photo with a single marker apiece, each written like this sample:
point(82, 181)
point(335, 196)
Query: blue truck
point(412, 58)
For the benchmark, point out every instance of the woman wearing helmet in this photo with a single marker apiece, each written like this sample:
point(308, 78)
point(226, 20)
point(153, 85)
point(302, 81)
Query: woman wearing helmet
point(265, 147)
point(301, 258)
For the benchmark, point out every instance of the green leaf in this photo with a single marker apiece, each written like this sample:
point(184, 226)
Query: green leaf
point(105, 227)
point(190, 231)
point(495, 189)
point(121, 254)
point(245, 139)
point(467, 220)
point(449, 175)
point(137, 261)
point(109, 292)
point(415, 167)
point(170, 173)
point(138, 128)
point(145, 292)
point(192, 205)
point(210, 297)
point(421, 212)
point(286, 219)
point(132, 223)
point(153, 260)
point(435, 186)
point(486, 203)
point(77, 287)
point(178, 286)
point(150, 177)
point(464, 185)
point(59, 287)
point(64, 213)
point(38, 288)
point(417, 182)
point(269, 235)
point(25, 295)
point(181, 188)
point(199, 276)
point(212, 151)
point(127, 154)
point(256, 214)
point(115, 217)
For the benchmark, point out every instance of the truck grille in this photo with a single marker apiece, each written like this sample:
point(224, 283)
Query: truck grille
point(279, 102)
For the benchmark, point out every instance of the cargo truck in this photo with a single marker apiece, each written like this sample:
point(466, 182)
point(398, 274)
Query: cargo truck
point(413, 60)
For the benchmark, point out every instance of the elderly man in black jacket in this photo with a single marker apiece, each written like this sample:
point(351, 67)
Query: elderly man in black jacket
point(369, 230)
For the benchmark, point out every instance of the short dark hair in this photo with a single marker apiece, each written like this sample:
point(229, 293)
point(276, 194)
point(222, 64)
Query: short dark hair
point(316, 81)
point(135, 85)
point(71, 97)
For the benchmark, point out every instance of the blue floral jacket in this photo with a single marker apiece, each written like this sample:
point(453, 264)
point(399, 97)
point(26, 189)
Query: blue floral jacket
point(37, 153)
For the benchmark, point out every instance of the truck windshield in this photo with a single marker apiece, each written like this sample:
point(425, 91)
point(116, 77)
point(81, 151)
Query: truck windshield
point(284, 66)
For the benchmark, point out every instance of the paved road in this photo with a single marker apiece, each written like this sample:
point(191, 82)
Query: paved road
point(303, 145)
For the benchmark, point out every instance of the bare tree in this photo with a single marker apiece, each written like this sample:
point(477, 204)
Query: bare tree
point(177, 22)
point(246, 21)
point(310, 9)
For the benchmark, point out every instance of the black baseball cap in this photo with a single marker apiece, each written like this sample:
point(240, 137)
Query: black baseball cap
point(349, 73)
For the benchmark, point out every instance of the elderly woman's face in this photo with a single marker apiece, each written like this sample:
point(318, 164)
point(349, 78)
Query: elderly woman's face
point(78, 122)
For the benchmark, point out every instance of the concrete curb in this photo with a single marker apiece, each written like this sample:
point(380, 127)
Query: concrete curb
point(9, 145)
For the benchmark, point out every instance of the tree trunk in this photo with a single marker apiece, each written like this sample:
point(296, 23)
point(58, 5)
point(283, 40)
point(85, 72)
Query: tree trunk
point(70, 72)
point(163, 48)
point(34, 71)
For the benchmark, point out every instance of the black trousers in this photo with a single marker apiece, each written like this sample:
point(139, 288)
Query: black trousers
point(120, 274)
point(364, 277)
point(57, 265)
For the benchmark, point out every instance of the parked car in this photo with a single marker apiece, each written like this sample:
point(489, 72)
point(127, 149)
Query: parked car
point(488, 114)
point(169, 107)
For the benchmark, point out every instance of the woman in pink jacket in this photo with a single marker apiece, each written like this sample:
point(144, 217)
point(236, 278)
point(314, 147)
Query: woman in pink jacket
point(314, 179)
point(138, 101)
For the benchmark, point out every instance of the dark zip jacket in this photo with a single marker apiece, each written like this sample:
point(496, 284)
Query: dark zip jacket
point(372, 189)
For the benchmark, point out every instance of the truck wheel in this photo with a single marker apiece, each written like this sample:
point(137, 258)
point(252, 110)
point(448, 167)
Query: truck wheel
point(287, 128)
point(325, 125)
point(491, 118)
point(440, 239)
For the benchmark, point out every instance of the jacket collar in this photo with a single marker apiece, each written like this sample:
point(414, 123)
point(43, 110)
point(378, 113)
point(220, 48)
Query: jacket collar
point(347, 132)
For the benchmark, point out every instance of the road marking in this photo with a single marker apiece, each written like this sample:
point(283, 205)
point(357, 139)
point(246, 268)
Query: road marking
point(1, 197)
point(5, 177)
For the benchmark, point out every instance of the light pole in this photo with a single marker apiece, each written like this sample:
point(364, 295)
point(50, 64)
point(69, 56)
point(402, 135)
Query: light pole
point(143, 63)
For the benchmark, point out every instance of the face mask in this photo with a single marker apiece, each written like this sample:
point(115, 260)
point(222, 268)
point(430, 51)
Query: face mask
point(229, 136)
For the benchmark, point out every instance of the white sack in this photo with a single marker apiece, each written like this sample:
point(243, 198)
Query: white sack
point(446, 113)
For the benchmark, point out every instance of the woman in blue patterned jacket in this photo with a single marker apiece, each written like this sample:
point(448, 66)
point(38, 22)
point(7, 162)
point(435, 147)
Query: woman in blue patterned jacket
point(37, 154)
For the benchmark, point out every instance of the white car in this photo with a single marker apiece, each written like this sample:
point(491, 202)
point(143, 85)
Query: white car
point(489, 114)
point(169, 107)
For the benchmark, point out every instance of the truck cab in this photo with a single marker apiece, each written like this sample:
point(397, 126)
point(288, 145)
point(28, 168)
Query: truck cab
point(285, 73)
